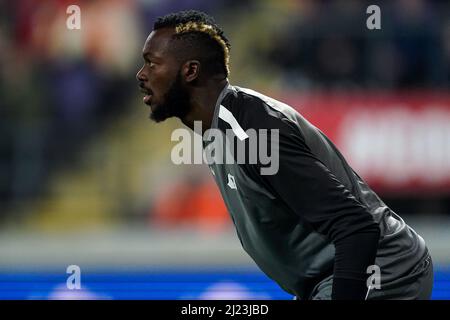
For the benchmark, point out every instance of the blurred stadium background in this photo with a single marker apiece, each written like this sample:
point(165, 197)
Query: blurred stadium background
point(86, 179)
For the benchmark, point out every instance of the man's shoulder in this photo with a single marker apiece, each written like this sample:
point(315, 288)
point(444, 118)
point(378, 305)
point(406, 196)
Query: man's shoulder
point(252, 109)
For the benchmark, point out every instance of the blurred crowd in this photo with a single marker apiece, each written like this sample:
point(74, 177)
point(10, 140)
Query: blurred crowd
point(327, 47)
point(60, 88)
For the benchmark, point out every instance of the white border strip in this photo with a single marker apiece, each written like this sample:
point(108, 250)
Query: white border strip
point(228, 117)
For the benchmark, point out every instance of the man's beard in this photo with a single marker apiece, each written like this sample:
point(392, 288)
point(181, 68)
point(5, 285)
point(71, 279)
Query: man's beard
point(176, 103)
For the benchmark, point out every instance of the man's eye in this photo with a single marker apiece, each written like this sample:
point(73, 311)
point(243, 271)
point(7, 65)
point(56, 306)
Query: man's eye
point(150, 64)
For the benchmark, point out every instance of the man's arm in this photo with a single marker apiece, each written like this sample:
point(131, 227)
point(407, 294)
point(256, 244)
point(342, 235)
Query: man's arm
point(306, 185)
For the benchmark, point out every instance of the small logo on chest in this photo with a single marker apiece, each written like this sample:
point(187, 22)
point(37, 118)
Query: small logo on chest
point(231, 182)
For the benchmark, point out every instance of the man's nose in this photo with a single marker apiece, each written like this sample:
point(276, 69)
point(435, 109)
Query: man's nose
point(140, 75)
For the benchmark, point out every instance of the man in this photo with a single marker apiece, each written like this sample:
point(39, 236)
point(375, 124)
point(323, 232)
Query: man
point(313, 225)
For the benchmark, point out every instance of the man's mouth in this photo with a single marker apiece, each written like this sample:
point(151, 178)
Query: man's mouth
point(147, 95)
point(147, 99)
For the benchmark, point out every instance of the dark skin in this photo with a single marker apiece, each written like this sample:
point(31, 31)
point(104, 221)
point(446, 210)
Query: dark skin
point(196, 91)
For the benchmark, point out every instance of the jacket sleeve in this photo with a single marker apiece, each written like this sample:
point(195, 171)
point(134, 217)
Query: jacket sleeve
point(311, 191)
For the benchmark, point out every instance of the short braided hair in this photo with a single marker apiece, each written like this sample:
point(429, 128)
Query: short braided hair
point(203, 38)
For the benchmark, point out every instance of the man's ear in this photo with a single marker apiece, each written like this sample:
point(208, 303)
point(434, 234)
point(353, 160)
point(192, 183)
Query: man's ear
point(191, 70)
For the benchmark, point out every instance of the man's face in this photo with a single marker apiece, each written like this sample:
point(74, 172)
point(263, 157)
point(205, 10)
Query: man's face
point(160, 78)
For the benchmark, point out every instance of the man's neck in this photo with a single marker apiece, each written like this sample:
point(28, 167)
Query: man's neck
point(203, 102)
